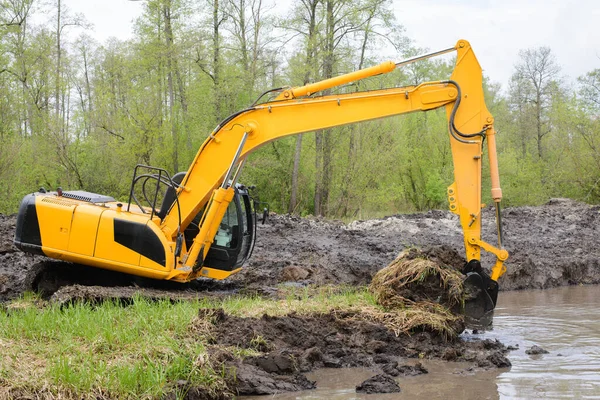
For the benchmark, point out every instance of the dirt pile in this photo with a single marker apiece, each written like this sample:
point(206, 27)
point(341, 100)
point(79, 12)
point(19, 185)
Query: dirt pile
point(425, 292)
point(405, 370)
point(287, 346)
point(551, 245)
point(535, 350)
point(14, 265)
point(378, 384)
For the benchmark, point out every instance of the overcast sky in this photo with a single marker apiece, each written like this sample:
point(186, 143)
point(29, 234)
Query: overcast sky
point(497, 29)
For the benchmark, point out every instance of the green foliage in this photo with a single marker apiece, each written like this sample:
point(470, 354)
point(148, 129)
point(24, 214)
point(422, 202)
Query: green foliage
point(435, 190)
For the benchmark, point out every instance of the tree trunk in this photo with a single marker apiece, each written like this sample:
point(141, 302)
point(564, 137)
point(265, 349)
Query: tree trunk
point(216, 63)
point(318, 173)
point(347, 182)
point(184, 104)
point(58, 56)
point(538, 118)
point(169, 46)
point(295, 172)
point(323, 138)
point(88, 90)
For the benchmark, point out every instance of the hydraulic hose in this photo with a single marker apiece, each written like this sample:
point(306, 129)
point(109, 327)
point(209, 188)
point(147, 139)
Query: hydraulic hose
point(452, 127)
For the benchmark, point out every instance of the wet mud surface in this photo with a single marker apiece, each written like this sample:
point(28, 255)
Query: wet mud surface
point(293, 345)
point(552, 245)
point(378, 384)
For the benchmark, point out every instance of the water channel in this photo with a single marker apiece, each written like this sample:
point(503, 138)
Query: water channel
point(564, 321)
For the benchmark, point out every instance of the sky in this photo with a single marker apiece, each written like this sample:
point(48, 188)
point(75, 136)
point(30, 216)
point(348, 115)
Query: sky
point(497, 29)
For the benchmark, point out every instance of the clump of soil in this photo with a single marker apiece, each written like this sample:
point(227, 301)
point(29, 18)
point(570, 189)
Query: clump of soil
point(14, 265)
point(294, 344)
point(378, 384)
point(535, 350)
point(405, 370)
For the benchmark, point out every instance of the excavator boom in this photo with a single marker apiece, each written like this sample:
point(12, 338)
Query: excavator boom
point(204, 227)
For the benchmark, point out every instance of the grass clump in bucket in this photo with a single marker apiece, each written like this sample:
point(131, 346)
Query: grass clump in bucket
point(423, 293)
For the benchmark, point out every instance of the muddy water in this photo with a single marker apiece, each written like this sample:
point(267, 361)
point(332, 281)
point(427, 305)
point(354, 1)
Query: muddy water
point(444, 381)
point(564, 321)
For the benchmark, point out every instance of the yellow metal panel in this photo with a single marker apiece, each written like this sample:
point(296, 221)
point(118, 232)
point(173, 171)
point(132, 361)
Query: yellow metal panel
point(107, 248)
point(84, 228)
point(217, 273)
point(471, 116)
point(148, 263)
point(113, 265)
point(435, 95)
point(54, 216)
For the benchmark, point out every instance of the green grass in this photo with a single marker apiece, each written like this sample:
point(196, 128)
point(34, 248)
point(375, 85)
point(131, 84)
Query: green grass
point(122, 352)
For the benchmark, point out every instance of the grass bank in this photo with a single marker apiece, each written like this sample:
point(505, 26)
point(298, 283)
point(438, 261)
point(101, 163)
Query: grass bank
point(137, 351)
point(155, 349)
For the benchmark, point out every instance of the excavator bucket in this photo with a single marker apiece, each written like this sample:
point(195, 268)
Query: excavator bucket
point(481, 294)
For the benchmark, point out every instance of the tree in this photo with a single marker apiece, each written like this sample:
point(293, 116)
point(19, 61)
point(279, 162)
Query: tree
point(305, 24)
point(63, 20)
point(590, 89)
point(533, 85)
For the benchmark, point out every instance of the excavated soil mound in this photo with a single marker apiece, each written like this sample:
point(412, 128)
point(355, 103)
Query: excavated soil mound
point(378, 384)
point(551, 245)
point(426, 292)
point(14, 265)
point(294, 344)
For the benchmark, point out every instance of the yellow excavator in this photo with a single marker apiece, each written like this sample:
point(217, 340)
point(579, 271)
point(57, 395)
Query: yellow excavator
point(205, 225)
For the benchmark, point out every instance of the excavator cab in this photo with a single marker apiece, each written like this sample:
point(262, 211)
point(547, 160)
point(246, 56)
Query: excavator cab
point(235, 238)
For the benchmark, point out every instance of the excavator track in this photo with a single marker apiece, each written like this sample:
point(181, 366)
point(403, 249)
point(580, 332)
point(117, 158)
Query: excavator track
point(64, 282)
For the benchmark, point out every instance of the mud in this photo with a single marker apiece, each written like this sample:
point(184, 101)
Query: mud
point(556, 244)
point(552, 245)
point(393, 369)
point(535, 350)
point(292, 345)
point(378, 384)
point(14, 265)
point(419, 277)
